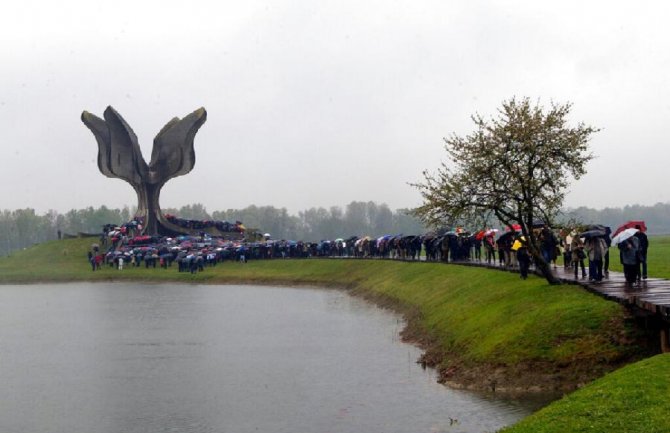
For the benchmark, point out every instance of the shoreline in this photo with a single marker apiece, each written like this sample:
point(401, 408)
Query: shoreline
point(519, 381)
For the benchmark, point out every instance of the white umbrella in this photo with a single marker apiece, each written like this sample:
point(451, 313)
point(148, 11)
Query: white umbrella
point(623, 235)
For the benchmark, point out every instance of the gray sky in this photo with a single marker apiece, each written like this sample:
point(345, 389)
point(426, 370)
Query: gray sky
point(321, 103)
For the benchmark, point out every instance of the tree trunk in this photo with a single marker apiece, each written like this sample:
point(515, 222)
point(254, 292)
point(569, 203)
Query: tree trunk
point(545, 268)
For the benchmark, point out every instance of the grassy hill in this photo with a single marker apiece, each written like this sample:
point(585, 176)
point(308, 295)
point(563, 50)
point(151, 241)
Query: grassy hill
point(633, 399)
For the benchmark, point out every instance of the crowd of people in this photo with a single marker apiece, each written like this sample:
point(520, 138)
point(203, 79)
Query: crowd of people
point(124, 246)
point(595, 244)
point(578, 247)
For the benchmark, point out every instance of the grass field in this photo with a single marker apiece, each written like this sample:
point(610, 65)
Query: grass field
point(477, 316)
point(633, 399)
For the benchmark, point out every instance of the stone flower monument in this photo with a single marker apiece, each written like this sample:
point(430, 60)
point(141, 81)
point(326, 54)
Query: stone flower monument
point(119, 156)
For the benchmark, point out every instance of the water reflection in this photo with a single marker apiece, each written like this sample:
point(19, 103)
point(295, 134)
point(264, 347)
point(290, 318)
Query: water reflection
point(163, 358)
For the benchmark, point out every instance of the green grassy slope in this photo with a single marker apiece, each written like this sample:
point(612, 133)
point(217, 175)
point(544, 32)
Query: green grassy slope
point(632, 399)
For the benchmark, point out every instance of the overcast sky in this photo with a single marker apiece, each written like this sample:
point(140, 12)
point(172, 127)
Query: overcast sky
point(321, 103)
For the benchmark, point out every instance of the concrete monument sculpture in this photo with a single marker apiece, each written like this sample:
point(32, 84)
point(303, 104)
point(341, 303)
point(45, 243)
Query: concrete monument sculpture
point(119, 156)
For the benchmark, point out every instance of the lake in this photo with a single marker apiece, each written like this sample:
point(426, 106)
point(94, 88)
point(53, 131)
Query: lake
point(118, 357)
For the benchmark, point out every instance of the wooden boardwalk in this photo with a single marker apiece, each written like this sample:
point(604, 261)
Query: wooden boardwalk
point(650, 297)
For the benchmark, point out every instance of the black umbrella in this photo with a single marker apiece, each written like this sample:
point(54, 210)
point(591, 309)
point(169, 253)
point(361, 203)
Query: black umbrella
point(506, 235)
point(537, 224)
point(606, 229)
point(592, 233)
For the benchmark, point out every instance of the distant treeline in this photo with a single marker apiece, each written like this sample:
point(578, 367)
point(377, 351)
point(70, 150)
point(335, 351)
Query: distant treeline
point(657, 217)
point(22, 228)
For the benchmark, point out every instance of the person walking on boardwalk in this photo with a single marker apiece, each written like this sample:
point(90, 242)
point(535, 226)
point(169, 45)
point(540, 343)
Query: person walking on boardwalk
point(642, 252)
point(523, 258)
point(628, 252)
point(606, 259)
point(505, 249)
point(548, 244)
point(489, 246)
point(578, 255)
point(477, 246)
point(500, 244)
point(567, 252)
point(597, 249)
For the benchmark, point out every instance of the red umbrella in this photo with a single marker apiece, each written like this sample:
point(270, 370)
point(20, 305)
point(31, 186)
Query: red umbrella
point(480, 235)
point(630, 225)
point(513, 228)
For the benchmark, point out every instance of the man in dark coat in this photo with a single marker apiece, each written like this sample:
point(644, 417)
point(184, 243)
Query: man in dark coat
point(642, 252)
point(548, 244)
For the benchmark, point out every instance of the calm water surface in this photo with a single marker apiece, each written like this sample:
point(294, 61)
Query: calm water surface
point(173, 358)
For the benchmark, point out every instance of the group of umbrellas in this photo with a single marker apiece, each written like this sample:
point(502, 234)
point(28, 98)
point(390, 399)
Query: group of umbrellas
point(622, 233)
point(148, 245)
point(627, 230)
point(485, 233)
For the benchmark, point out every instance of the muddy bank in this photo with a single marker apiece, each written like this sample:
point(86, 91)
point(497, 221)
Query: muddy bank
point(523, 379)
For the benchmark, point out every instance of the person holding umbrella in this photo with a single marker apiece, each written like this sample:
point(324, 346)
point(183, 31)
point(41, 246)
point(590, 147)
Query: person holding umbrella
point(597, 249)
point(504, 243)
point(628, 252)
point(490, 245)
point(578, 256)
point(642, 252)
point(477, 246)
point(608, 242)
point(548, 244)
